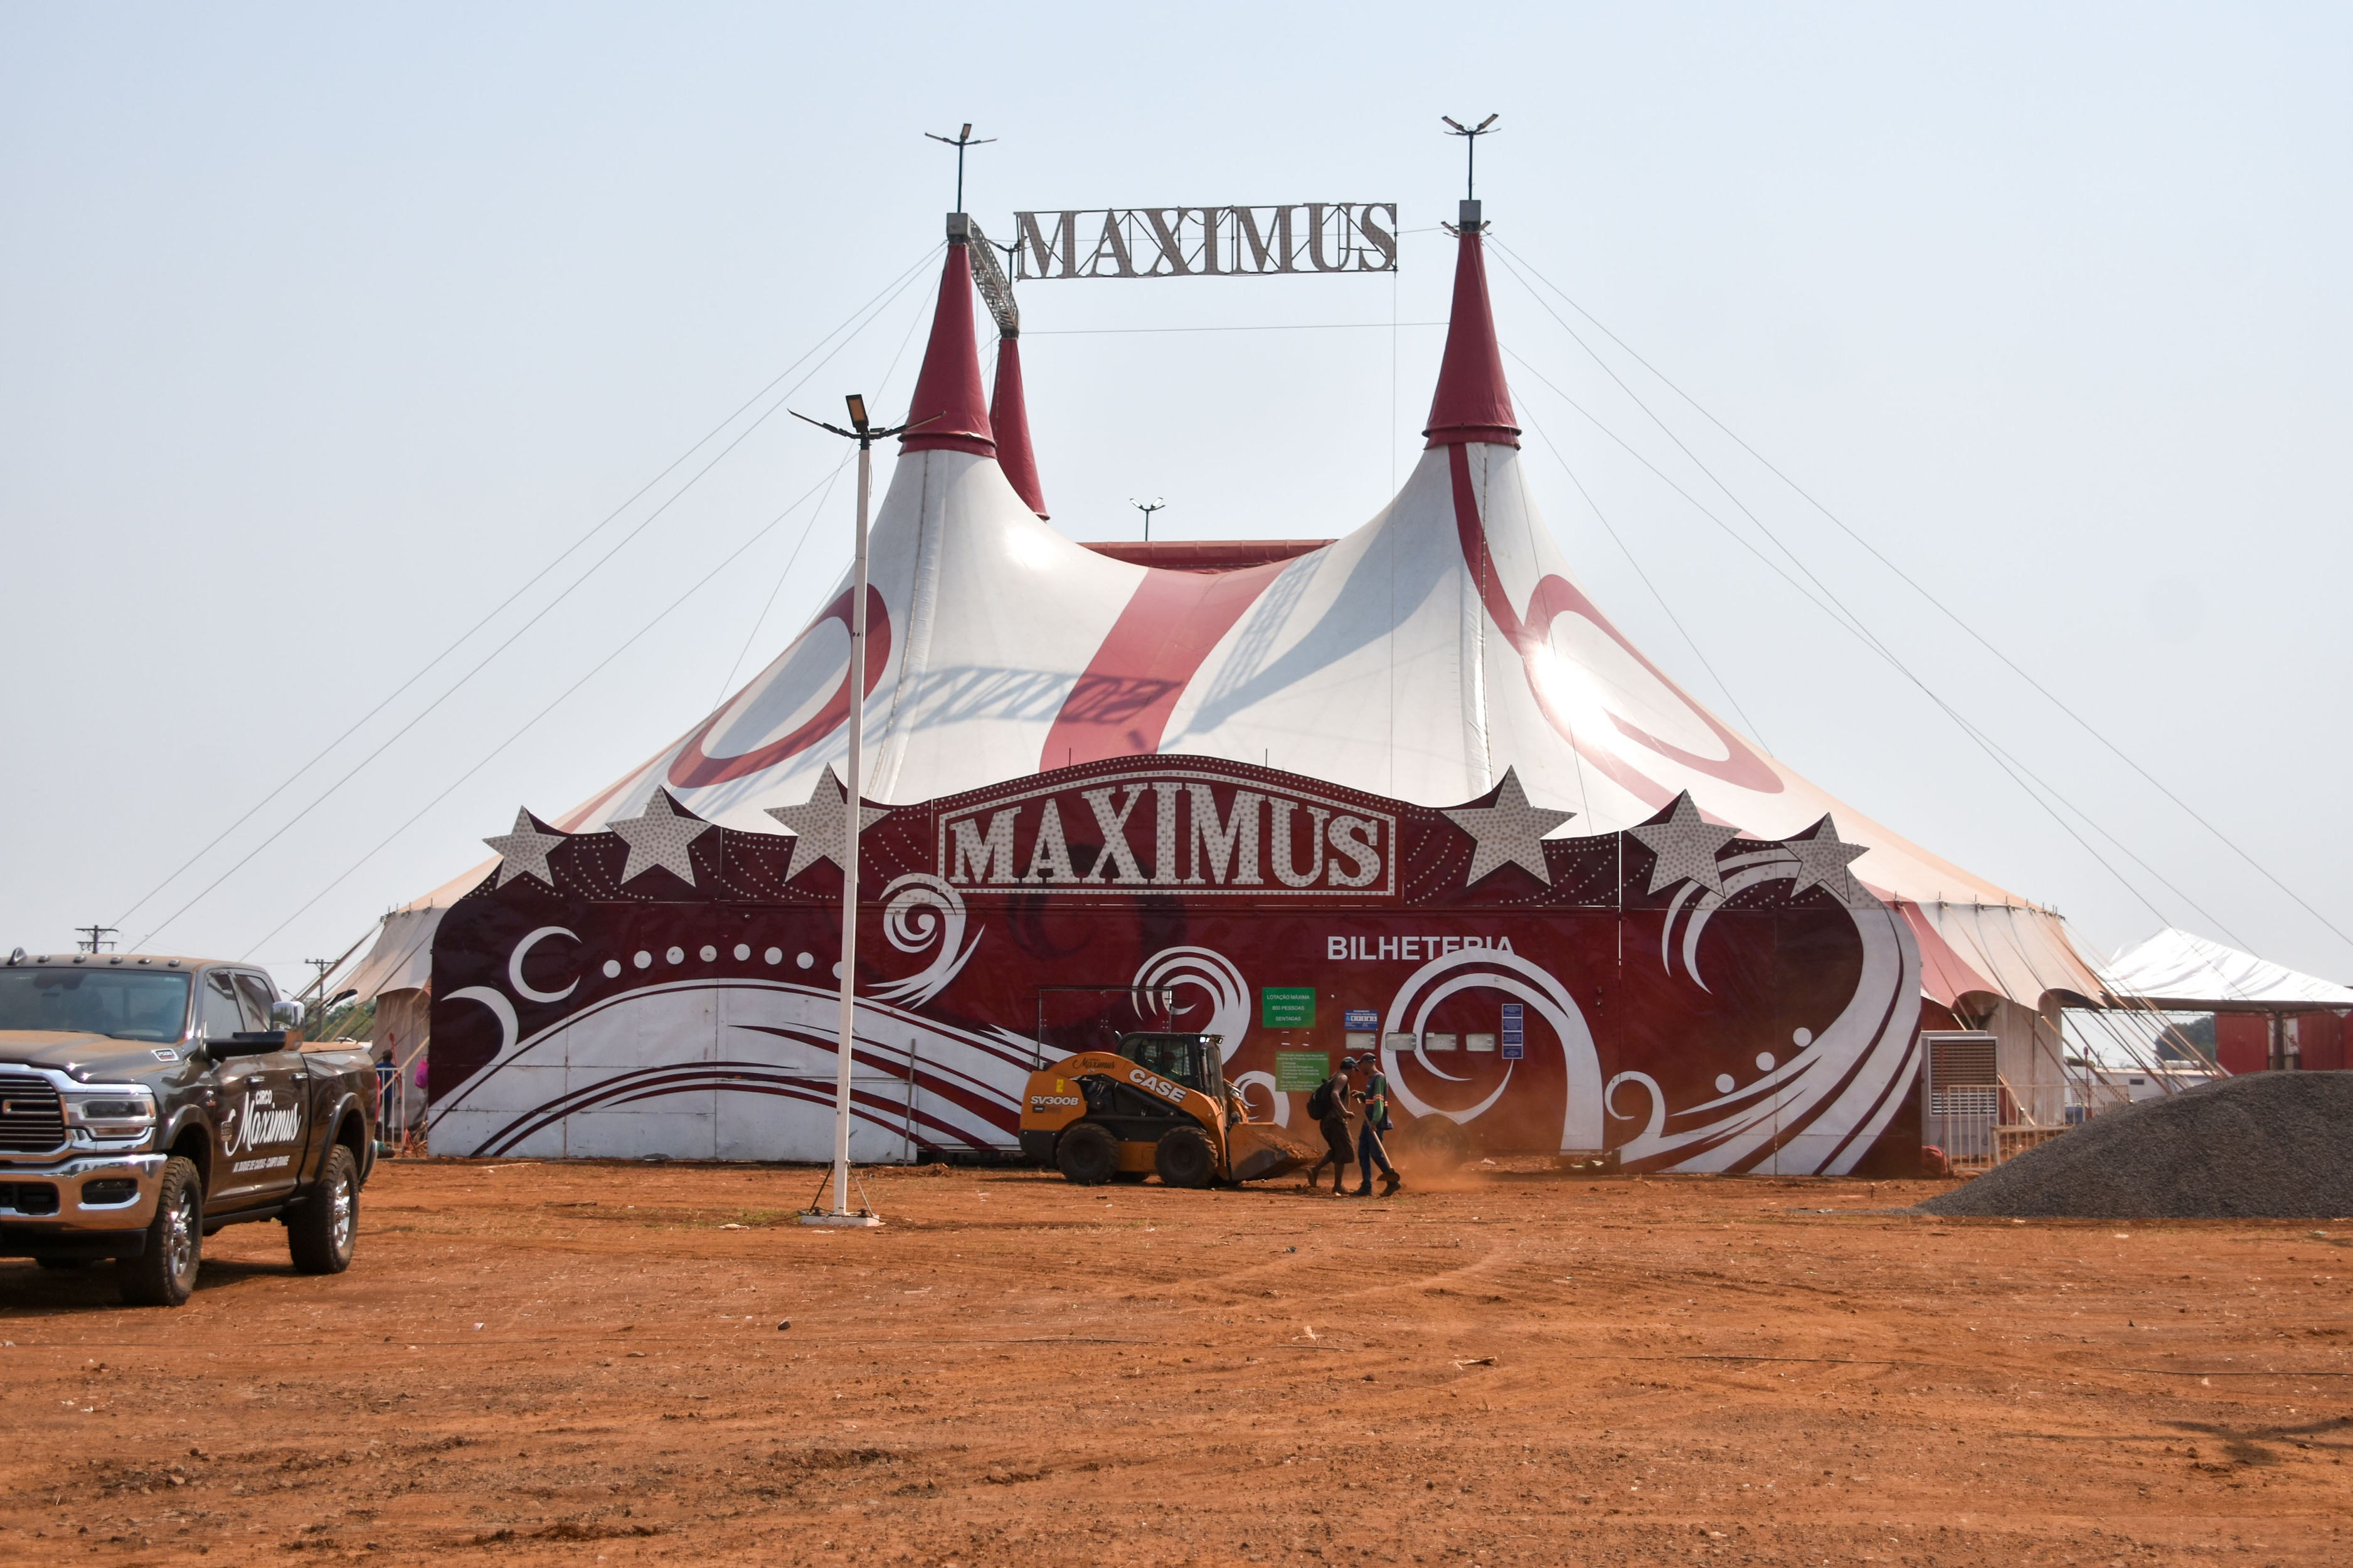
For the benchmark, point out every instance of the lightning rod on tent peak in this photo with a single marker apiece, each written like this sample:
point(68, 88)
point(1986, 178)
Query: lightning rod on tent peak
point(960, 140)
point(1469, 215)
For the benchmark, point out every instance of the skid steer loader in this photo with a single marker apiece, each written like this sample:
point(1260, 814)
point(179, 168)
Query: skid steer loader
point(1159, 1103)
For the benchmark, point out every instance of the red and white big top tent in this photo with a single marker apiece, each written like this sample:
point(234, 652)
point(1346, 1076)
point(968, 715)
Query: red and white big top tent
point(1422, 657)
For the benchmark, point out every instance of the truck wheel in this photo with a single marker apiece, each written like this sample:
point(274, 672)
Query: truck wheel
point(164, 1274)
point(1184, 1159)
point(321, 1233)
point(1088, 1154)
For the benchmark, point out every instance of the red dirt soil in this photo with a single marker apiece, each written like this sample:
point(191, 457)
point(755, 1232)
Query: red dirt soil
point(582, 1363)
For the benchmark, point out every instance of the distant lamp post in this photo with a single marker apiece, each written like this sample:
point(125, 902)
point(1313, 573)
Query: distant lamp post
point(863, 432)
point(1147, 508)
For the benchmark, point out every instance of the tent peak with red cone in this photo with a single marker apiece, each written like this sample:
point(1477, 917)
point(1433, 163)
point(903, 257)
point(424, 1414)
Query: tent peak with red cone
point(1008, 416)
point(1473, 401)
point(947, 410)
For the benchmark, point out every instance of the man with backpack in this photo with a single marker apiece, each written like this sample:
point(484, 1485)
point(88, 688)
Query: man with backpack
point(1329, 1105)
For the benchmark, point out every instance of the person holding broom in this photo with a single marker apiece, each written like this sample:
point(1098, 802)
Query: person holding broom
point(1374, 1098)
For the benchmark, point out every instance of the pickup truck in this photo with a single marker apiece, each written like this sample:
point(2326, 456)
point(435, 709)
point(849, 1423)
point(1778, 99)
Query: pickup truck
point(146, 1101)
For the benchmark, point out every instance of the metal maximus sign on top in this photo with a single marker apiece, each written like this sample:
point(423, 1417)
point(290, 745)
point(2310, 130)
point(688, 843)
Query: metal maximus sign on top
point(1205, 242)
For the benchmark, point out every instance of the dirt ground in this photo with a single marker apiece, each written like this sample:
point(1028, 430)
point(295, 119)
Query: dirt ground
point(543, 1362)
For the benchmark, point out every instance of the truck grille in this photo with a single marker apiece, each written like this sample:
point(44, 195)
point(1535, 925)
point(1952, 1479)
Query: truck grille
point(32, 1117)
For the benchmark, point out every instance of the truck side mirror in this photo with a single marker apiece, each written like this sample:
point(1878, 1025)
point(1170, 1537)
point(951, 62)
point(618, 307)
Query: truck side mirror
point(286, 1015)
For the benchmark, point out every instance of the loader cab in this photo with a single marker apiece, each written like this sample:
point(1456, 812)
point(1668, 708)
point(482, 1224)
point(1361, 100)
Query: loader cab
point(1189, 1059)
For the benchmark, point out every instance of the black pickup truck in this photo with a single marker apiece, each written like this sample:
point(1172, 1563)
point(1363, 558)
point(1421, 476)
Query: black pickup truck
point(147, 1101)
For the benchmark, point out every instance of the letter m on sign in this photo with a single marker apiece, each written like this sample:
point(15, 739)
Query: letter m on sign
point(986, 859)
point(1035, 255)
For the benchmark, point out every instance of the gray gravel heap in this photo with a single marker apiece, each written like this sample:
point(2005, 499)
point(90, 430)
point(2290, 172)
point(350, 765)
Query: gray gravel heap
point(2270, 1146)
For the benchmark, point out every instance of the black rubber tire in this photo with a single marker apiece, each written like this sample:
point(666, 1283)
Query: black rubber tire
point(1087, 1154)
point(1184, 1159)
point(320, 1235)
point(64, 1265)
point(164, 1275)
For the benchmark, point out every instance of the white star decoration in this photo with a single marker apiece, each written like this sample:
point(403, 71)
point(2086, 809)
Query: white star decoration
point(1509, 833)
point(819, 825)
point(1684, 846)
point(1822, 861)
point(524, 852)
point(659, 835)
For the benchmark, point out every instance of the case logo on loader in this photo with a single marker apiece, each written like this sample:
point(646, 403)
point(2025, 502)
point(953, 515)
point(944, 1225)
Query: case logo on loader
point(1159, 1085)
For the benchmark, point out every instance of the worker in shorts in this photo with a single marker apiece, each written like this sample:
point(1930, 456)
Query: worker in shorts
point(1330, 1100)
point(1374, 1100)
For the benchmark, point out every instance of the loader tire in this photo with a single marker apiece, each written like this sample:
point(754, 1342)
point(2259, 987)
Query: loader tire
point(1184, 1159)
point(1087, 1154)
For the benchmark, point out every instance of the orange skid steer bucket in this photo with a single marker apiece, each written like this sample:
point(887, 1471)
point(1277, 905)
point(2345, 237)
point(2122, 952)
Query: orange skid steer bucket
point(1260, 1149)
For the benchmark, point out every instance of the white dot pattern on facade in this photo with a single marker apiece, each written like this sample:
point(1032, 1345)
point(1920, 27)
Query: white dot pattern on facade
point(773, 955)
point(709, 953)
point(741, 953)
point(1765, 1062)
point(807, 960)
point(612, 968)
point(645, 960)
point(1723, 1083)
point(676, 955)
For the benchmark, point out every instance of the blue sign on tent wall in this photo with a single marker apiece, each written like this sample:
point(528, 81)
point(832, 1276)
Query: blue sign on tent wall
point(1515, 1035)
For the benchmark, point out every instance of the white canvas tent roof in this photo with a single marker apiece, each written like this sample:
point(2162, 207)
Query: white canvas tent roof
point(2175, 969)
point(1419, 655)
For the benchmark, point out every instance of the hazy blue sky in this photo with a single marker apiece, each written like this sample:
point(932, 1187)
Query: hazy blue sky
point(323, 328)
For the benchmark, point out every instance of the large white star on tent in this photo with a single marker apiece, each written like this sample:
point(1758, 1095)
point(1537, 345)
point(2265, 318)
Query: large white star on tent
point(524, 852)
point(819, 825)
point(1684, 846)
point(1510, 832)
point(659, 835)
point(1822, 860)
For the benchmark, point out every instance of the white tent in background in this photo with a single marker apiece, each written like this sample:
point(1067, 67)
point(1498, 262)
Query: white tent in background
point(2177, 970)
point(1418, 656)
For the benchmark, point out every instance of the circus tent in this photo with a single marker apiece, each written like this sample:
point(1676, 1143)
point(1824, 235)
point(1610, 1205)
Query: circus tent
point(1420, 655)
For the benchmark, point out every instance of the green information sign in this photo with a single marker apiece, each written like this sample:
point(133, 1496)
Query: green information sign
point(1287, 1006)
point(1296, 1072)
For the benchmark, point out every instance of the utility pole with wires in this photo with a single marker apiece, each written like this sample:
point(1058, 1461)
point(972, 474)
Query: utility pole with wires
point(1471, 134)
point(865, 434)
point(960, 140)
point(92, 939)
point(1147, 508)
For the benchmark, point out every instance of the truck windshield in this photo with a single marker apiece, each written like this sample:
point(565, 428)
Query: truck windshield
point(126, 1006)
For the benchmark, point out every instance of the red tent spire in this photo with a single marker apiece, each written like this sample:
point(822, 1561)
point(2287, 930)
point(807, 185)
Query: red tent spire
point(1472, 403)
point(949, 385)
point(1009, 415)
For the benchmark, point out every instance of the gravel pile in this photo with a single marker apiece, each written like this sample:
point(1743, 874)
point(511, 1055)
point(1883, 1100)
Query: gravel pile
point(2271, 1145)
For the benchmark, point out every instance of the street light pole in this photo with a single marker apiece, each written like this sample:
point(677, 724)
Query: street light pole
point(865, 435)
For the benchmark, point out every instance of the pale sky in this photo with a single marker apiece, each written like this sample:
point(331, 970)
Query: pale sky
point(326, 329)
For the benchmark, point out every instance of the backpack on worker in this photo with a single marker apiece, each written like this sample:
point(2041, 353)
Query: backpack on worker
point(1325, 1101)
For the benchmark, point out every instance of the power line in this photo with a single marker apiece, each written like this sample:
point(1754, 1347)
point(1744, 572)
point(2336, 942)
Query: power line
point(891, 289)
point(492, 755)
point(1909, 582)
point(542, 614)
point(1829, 604)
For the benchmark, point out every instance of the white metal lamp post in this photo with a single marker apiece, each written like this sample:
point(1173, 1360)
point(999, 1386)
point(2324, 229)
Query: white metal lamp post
point(842, 1213)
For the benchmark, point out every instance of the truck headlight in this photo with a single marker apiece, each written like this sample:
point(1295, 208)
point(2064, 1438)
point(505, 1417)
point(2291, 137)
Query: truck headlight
point(116, 1111)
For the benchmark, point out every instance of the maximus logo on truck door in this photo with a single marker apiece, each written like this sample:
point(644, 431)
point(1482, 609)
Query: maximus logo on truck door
point(259, 1123)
